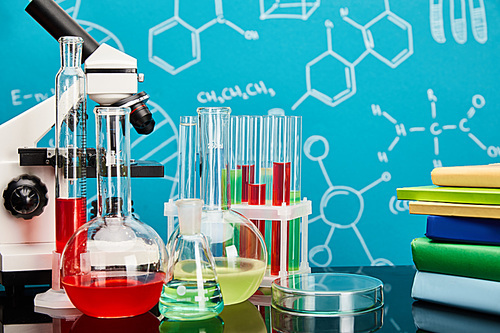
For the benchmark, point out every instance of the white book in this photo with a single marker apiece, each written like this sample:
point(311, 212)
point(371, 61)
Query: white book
point(463, 292)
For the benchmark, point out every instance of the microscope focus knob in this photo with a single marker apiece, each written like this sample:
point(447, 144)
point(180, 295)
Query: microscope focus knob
point(25, 197)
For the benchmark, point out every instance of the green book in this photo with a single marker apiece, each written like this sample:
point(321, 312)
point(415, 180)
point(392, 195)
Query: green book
point(469, 260)
point(472, 195)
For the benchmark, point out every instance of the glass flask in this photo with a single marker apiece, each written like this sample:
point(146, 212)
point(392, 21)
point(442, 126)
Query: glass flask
point(113, 266)
point(237, 245)
point(191, 290)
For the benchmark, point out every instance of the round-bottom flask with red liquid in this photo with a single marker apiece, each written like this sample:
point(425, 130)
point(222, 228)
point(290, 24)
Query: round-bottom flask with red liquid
point(113, 266)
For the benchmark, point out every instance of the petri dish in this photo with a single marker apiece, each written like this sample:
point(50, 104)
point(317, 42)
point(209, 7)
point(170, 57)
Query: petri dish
point(327, 294)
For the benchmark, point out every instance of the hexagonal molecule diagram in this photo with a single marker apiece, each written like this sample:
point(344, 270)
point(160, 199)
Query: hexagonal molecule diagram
point(188, 51)
point(287, 9)
point(387, 37)
point(333, 198)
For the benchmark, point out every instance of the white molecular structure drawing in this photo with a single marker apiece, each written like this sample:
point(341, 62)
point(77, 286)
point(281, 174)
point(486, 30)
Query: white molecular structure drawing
point(402, 30)
point(287, 9)
point(192, 33)
point(333, 221)
point(436, 129)
point(458, 21)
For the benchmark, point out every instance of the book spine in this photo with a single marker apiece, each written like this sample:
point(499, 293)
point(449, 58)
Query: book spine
point(469, 176)
point(473, 294)
point(469, 260)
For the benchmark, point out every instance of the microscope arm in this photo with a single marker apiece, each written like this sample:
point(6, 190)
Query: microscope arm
point(26, 129)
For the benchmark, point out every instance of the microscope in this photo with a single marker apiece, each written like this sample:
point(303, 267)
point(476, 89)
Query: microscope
point(27, 177)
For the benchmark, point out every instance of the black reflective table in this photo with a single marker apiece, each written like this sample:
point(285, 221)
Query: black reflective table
point(399, 314)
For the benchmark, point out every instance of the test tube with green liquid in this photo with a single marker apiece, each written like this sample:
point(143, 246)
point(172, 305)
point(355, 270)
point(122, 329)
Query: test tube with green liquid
point(235, 173)
point(295, 132)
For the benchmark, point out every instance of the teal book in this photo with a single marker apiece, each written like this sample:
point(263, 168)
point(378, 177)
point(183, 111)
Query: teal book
point(469, 260)
point(471, 195)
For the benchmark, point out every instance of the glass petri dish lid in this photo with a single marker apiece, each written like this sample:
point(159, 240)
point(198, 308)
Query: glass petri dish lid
point(327, 294)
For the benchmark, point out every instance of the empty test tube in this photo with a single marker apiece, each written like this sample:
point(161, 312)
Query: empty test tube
point(188, 143)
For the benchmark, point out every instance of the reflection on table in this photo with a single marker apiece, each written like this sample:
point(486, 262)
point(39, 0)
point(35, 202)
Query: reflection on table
point(399, 314)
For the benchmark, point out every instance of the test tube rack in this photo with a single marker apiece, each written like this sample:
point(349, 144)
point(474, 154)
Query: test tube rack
point(283, 213)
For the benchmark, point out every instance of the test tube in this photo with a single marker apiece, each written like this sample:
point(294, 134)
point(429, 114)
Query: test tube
point(247, 167)
point(246, 125)
point(235, 173)
point(256, 190)
point(281, 183)
point(266, 174)
point(188, 173)
point(257, 185)
point(295, 132)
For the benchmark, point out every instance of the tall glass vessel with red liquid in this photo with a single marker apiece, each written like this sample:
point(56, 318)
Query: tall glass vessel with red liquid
point(240, 266)
point(114, 265)
point(70, 141)
point(70, 164)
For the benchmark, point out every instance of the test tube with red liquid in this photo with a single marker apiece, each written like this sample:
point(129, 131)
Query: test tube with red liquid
point(246, 163)
point(281, 183)
point(245, 154)
point(295, 133)
point(71, 182)
point(266, 174)
point(257, 186)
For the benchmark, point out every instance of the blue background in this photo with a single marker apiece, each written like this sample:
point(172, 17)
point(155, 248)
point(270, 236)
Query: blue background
point(355, 219)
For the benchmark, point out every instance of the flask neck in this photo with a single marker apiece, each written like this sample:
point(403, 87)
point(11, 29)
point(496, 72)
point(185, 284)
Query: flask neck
point(113, 161)
point(214, 157)
point(71, 51)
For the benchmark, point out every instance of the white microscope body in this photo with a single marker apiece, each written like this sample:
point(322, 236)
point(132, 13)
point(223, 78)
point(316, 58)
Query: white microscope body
point(26, 243)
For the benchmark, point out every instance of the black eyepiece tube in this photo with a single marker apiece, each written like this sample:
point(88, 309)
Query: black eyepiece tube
point(58, 23)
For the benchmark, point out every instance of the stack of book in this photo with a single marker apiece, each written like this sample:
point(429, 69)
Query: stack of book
point(458, 261)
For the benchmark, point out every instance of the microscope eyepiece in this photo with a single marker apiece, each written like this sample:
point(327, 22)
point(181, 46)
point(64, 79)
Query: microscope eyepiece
point(58, 23)
point(140, 116)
